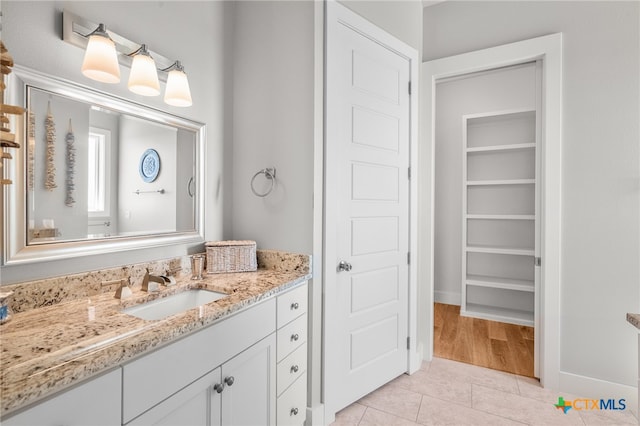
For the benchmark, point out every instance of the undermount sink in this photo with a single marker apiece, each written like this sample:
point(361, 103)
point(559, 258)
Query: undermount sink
point(174, 304)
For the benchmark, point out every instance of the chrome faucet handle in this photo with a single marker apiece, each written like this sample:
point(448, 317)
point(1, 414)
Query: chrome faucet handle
point(124, 291)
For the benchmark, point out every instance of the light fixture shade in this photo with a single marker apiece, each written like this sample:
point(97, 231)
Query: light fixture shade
point(177, 92)
point(100, 59)
point(143, 79)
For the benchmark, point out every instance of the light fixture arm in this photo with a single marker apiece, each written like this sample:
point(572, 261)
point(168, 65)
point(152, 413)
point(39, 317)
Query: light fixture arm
point(177, 65)
point(142, 50)
point(101, 30)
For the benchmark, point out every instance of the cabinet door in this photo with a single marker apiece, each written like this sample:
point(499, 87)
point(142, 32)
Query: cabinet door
point(96, 402)
point(190, 406)
point(249, 396)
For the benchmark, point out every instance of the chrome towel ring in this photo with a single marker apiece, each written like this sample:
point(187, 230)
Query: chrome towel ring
point(270, 174)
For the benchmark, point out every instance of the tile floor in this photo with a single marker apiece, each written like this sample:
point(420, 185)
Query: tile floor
point(445, 392)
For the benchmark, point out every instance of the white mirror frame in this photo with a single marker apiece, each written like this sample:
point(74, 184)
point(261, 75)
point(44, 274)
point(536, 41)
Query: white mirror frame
point(15, 249)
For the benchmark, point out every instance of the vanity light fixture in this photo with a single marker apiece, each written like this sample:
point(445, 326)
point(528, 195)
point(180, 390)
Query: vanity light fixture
point(100, 59)
point(143, 78)
point(177, 92)
point(104, 52)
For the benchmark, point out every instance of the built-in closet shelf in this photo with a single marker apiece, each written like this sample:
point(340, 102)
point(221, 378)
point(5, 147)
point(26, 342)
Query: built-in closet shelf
point(501, 182)
point(504, 283)
point(512, 147)
point(493, 313)
point(501, 216)
point(499, 170)
point(500, 250)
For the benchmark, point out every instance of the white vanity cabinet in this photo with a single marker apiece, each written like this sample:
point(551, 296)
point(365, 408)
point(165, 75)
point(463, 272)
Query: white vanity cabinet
point(292, 357)
point(246, 370)
point(154, 378)
point(249, 393)
point(94, 402)
point(240, 392)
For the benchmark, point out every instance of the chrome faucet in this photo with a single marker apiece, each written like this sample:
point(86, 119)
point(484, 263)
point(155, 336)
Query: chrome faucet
point(151, 283)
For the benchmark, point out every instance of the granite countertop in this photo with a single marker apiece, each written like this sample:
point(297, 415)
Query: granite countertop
point(47, 349)
point(634, 319)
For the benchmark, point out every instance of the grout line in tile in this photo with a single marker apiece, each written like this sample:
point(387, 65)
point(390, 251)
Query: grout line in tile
point(366, 407)
point(494, 414)
point(419, 407)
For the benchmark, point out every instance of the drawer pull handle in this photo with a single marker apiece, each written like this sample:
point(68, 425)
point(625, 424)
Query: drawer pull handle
point(294, 337)
point(294, 368)
point(218, 387)
point(294, 306)
point(294, 412)
point(229, 380)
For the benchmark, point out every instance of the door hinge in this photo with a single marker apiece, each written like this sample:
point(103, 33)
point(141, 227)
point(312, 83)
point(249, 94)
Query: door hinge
point(408, 342)
point(409, 87)
point(408, 258)
point(537, 261)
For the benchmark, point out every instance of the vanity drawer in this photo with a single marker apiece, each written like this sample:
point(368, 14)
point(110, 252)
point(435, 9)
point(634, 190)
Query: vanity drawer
point(292, 367)
point(291, 336)
point(292, 405)
point(292, 304)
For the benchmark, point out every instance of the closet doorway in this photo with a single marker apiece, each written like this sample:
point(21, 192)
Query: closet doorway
point(487, 233)
point(546, 52)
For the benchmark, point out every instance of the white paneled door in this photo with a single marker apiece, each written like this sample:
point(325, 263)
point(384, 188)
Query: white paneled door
point(367, 214)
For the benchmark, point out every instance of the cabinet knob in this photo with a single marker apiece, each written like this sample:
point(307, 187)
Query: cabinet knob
point(218, 387)
point(294, 337)
point(229, 380)
point(294, 306)
point(294, 368)
point(294, 412)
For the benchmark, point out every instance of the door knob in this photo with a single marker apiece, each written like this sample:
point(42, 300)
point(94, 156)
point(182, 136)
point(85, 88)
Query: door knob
point(344, 266)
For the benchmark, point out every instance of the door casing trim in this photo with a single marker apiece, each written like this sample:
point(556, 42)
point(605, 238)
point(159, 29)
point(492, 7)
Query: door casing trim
point(548, 49)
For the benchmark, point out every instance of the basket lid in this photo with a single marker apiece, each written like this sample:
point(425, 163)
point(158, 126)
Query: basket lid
point(230, 243)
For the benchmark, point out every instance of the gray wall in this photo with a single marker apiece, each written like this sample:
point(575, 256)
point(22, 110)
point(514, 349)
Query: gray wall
point(273, 123)
point(601, 162)
point(402, 19)
point(193, 32)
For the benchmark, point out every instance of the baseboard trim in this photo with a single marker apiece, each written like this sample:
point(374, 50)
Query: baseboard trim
point(447, 297)
point(315, 416)
point(588, 387)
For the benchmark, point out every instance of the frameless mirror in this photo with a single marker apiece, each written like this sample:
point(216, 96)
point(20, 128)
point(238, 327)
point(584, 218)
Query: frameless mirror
point(97, 173)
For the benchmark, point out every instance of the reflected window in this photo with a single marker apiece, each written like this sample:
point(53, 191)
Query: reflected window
point(98, 172)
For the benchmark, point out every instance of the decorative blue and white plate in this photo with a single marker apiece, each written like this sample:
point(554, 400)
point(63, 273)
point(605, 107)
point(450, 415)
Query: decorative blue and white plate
point(149, 165)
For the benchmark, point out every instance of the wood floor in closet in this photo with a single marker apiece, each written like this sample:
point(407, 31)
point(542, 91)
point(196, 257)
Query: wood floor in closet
point(491, 344)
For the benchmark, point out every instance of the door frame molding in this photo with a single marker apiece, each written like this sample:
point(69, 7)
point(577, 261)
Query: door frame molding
point(336, 13)
point(549, 50)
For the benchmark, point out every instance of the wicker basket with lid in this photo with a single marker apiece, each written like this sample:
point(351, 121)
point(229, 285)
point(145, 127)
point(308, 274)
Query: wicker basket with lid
point(231, 256)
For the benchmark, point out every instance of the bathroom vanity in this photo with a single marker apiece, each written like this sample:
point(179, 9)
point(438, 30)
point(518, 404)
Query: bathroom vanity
point(238, 360)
